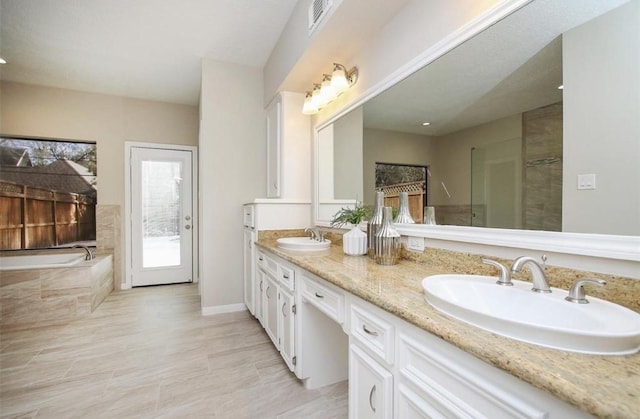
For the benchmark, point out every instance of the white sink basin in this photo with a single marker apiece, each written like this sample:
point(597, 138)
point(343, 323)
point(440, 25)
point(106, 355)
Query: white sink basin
point(599, 327)
point(304, 244)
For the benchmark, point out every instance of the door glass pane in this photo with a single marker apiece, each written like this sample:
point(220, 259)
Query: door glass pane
point(161, 220)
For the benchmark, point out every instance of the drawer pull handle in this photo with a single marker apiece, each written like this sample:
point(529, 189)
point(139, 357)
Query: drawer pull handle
point(283, 306)
point(267, 292)
point(260, 259)
point(319, 295)
point(369, 332)
point(261, 286)
point(285, 276)
point(373, 390)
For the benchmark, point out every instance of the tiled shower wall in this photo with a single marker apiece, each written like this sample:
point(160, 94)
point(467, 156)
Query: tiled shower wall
point(109, 238)
point(542, 155)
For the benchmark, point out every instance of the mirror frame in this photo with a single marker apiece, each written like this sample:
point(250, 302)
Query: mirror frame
point(616, 247)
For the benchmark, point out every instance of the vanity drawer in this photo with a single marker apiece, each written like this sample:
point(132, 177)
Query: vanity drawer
point(270, 265)
point(287, 277)
point(373, 332)
point(328, 301)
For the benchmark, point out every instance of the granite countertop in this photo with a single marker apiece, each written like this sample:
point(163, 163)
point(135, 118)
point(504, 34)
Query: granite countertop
point(605, 386)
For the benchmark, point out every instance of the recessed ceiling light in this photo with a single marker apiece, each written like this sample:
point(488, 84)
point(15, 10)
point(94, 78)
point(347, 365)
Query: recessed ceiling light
point(2, 61)
point(425, 124)
point(561, 87)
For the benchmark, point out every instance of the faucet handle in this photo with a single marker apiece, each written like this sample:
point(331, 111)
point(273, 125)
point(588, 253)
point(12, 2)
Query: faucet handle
point(505, 274)
point(311, 231)
point(576, 292)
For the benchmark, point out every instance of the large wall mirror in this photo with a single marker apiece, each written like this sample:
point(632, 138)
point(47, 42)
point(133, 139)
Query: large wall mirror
point(533, 124)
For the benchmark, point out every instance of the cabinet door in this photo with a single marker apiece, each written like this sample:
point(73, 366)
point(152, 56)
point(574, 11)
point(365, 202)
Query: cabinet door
point(370, 387)
point(270, 309)
point(260, 285)
point(249, 238)
point(286, 316)
point(274, 131)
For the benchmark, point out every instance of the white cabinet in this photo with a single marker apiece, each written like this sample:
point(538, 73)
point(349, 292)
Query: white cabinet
point(270, 309)
point(274, 117)
point(432, 378)
point(323, 298)
point(259, 285)
point(276, 309)
point(288, 148)
point(249, 237)
point(286, 327)
point(370, 387)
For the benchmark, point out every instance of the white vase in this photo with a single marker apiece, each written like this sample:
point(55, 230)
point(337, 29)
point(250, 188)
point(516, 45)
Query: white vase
point(354, 242)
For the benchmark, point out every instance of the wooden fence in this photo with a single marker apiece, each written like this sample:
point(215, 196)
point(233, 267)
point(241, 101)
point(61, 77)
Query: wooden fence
point(416, 192)
point(36, 218)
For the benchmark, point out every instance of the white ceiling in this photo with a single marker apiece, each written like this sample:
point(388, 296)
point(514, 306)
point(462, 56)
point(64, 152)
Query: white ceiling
point(512, 67)
point(149, 49)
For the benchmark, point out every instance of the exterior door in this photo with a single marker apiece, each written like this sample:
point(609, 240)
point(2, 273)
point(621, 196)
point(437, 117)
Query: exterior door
point(161, 216)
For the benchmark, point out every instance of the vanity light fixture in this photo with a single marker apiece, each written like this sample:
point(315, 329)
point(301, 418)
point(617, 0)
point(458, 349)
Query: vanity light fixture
point(561, 87)
point(2, 61)
point(331, 87)
point(426, 124)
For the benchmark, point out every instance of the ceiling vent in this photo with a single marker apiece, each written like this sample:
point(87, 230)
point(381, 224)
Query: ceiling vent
point(317, 11)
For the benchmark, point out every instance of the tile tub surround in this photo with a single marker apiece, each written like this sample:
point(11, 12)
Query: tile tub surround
point(109, 237)
point(42, 297)
point(607, 386)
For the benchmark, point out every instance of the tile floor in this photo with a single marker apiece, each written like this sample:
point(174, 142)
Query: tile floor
point(148, 353)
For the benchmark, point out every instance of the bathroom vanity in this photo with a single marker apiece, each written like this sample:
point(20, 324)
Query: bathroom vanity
point(334, 317)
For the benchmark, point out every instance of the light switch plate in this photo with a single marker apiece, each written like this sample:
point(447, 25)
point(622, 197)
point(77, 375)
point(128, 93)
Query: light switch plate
point(587, 181)
point(415, 243)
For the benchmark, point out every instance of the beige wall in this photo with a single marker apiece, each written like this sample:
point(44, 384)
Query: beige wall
point(28, 110)
point(39, 111)
point(392, 147)
point(232, 149)
point(601, 72)
point(347, 159)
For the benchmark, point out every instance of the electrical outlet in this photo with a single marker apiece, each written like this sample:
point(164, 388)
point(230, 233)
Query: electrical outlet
point(415, 243)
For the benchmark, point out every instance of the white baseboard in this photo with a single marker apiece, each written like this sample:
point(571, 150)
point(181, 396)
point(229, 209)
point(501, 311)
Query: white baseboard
point(229, 308)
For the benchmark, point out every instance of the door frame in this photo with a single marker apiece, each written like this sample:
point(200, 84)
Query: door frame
point(126, 216)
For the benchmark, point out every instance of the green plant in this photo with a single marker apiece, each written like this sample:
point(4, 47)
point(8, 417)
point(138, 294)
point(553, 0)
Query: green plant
point(353, 216)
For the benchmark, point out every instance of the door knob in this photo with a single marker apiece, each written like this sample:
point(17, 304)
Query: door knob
point(187, 218)
point(187, 226)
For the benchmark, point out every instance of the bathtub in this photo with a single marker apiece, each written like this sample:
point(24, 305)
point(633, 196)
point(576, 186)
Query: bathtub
point(40, 261)
point(47, 288)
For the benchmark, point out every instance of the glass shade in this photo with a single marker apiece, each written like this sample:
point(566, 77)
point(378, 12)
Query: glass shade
point(327, 91)
point(339, 79)
point(308, 107)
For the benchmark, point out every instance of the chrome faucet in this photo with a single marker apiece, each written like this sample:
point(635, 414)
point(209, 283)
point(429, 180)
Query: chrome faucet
point(505, 275)
point(576, 292)
point(90, 255)
point(540, 283)
point(311, 231)
point(315, 233)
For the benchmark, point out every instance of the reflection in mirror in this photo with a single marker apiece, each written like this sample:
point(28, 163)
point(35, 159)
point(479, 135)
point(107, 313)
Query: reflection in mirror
point(496, 114)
